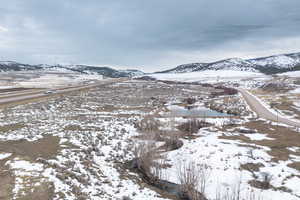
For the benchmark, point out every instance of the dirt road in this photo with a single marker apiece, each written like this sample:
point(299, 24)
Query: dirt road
point(264, 112)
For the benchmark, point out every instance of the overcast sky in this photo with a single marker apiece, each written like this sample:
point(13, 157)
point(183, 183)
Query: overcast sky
point(146, 34)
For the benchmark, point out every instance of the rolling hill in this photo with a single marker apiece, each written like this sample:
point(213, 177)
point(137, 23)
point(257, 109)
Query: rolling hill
point(10, 66)
point(267, 65)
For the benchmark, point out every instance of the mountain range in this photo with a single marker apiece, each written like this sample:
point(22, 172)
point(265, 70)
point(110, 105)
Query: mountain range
point(267, 65)
point(9, 66)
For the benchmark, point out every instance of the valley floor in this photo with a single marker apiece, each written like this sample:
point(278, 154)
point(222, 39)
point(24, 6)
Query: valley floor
point(81, 145)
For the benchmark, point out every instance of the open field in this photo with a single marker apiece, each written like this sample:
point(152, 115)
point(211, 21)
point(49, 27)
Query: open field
point(43, 79)
point(134, 139)
point(150, 100)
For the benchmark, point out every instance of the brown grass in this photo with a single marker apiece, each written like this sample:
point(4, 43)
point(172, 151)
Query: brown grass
point(46, 147)
point(73, 128)
point(43, 191)
point(6, 184)
point(252, 167)
point(283, 137)
point(282, 101)
point(12, 127)
point(295, 165)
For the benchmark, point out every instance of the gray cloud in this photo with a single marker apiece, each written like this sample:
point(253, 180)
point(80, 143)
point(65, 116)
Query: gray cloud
point(154, 34)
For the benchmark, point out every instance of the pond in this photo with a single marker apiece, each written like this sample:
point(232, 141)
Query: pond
point(179, 111)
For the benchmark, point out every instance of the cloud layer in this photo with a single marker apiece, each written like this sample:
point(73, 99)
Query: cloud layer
point(150, 35)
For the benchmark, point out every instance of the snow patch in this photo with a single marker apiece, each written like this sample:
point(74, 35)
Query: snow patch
point(4, 155)
point(209, 76)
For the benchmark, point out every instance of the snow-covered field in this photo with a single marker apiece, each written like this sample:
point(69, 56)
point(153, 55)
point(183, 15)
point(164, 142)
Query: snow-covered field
point(209, 76)
point(291, 74)
point(45, 79)
point(97, 134)
point(89, 165)
point(296, 91)
point(224, 158)
point(56, 80)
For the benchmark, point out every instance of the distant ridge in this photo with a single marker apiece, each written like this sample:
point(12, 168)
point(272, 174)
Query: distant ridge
point(8, 66)
point(267, 65)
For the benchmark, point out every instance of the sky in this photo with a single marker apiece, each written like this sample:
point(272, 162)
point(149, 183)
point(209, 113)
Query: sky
point(148, 35)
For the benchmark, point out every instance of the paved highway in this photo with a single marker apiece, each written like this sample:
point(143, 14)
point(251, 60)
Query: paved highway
point(14, 97)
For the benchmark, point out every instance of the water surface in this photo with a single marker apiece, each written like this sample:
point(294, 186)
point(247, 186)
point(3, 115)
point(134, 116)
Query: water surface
point(179, 111)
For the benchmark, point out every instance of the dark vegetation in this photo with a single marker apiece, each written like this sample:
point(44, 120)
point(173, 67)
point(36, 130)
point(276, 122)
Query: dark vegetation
point(145, 78)
point(189, 100)
point(224, 91)
point(192, 126)
point(269, 69)
point(150, 171)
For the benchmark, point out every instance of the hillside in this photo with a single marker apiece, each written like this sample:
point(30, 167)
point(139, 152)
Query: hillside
point(7, 66)
point(267, 65)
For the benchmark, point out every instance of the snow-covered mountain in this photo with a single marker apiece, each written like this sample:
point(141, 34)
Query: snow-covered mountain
point(14, 66)
point(186, 68)
point(6, 66)
point(277, 64)
point(235, 64)
point(132, 72)
point(268, 65)
point(280, 61)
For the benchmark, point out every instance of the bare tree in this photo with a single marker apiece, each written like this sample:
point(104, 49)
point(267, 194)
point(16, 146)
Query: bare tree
point(193, 177)
point(236, 192)
point(204, 172)
point(145, 154)
point(157, 169)
point(187, 176)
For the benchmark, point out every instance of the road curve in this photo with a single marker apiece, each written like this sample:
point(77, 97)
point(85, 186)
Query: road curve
point(263, 112)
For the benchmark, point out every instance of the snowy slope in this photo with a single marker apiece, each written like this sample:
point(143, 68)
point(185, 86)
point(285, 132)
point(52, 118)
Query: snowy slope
point(268, 65)
point(14, 66)
point(236, 64)
point(84, 69)
point(186, 68)
point(280, 61)
point(132, 72)
point(9, 63)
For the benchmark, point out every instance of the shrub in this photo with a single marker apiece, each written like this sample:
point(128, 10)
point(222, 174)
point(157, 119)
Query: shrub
point(145, 155)
point(192, 126)
point(191, 178)
point(148, 124)
point(224, 91)
point(189, 100)
point(173, 143)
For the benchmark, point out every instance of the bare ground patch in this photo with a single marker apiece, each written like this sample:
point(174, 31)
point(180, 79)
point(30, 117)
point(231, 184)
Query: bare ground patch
point(46, 147)
point(281, 138)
